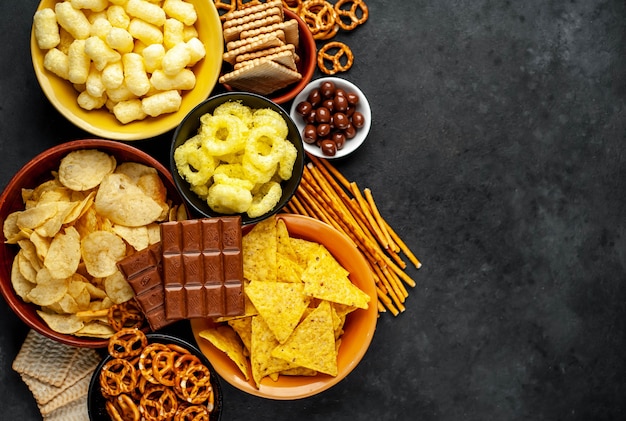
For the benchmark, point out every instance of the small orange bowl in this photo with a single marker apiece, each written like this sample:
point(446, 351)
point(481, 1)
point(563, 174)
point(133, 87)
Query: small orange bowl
point(101, 122)
point(307, 52)
point(36, 171)
point(358, 329)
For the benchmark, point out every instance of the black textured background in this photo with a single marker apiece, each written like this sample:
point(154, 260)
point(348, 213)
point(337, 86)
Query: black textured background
point(497, 151)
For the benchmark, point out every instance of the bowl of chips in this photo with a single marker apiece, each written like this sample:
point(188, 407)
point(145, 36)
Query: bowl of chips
point(310, 317)
point(127, 72)
point(237, 153)
point(185, 385)
point(69, 215)
point(282, 68)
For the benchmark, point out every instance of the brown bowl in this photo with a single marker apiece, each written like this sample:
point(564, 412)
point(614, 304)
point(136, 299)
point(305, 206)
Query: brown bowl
point(34, 173)
point(307, 52)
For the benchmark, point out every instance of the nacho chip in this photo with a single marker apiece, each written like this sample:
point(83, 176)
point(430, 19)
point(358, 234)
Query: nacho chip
point(262, 343)
point(259, 252)
point(226, 340)
point(326, 279)
point(281, 304)
point(312, 344)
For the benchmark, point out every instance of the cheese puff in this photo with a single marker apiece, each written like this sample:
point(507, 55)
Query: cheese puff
point(287, 161)
point(189, 32)
point(119, 39)
point(57, 62)
point(78, 62)
point(101, 27)
point(183, 11)
point(161, 103)
point(140, 46)
point(127, 111)
point(118, 2)
point(196, 51)
point(113, 75)
point(135, 75)
point(122, 93)
point(100, 53)
point(46, 29)
point(264, 201)
point(173, 33)
point(66, 40)
point(152, 57)
point(228, 198)
point(118, 16)
point(72, 20)
point(94, 84)
point(88, 102)
point(145, 32)
point(146, 11)
point(183, 80)
point(94, 5)
point(176, 59)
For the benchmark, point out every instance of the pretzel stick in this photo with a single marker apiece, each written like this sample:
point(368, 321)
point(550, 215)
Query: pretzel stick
point(379, 219)
point(404, 247)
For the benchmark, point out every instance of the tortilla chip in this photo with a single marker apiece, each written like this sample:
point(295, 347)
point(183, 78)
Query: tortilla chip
point(225, 339)
point(263, 342)
point(259, 252)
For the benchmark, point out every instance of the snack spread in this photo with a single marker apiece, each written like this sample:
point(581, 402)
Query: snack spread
point(132, 57)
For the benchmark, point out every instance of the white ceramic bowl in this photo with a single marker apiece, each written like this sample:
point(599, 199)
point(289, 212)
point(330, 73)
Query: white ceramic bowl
point(363, 107)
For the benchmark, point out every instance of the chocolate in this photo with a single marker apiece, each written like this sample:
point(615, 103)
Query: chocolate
point(202, 268)
point(142, 270)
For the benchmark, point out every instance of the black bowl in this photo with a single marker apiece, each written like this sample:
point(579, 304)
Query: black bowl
point(189, 128)
point(96, 402)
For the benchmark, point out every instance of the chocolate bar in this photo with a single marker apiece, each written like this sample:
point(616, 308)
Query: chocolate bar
point(202, 268)
point(142, 270)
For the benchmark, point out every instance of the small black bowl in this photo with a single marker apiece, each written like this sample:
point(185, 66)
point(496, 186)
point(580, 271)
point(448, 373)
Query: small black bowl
point(189, 128)
point(96, 402)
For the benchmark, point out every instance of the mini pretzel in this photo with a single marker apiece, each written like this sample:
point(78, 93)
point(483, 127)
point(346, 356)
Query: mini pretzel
point(192, 412)
point(163, 368)
point(194, 384)
point(324, 55)
point(352, 13)
point(128, 342)
point(125, 315)
point(159, 403)
point(293, 5)
point(319, 16)
point(123, 409)
point(146, 359)
point(118, 376)
point(225, 7)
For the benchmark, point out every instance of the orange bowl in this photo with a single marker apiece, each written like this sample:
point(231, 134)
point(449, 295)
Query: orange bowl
point(307, 52)
point(101, 122)
point(34, 173)
point(358, 330)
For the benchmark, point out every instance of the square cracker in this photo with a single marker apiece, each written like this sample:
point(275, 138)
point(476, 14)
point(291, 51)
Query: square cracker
point(233, 45)
point(285, 58)
point(232, 33)
point(263, 42)
point(249, 10)
point(251, 17)
point(265, 78)
point(289, 27)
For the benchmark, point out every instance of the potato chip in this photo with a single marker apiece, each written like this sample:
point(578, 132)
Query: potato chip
point(85, 169)
point(117, 288)
point(226, 340)
point(50, 227)
point(63, 254)
point(21, 285)
point(125, 203)
point(62, 323)
point(36, 216)
point(281, 304)
point(312, 344)
point(48, 290)
point(101, 250)
point(95, 329)
point(11, 230)
point(25, 267)
point(326, 279)
point(137, 237)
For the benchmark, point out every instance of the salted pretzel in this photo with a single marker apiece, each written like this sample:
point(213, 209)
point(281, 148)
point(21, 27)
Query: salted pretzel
point(159, 403)
point(293, 5)
point(319, 16)
point(337, 54)
point(127, 343)
point(192, 413)
point(118, 376)
point(163, 368)
point(224, 7)
point(123, 408)
point(193, 385)
point(146, 359)
point(356, 13)
point(124, 315)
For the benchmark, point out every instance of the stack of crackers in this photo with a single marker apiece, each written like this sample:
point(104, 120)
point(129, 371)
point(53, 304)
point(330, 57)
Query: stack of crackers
point(58, 376)
point(261, 48)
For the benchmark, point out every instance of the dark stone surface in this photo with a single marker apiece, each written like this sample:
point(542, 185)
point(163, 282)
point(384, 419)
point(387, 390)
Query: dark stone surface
point(497, 151)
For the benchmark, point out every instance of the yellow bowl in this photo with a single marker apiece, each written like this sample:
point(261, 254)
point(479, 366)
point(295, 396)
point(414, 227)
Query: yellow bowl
point(101, 122)
point(358, 329)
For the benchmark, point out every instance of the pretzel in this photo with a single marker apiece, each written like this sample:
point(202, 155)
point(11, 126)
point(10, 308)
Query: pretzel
point(193, 385)
point(319, 16)
point(159, 403)
point(123, 409)
point(163, 368)
point(127, 314)
point(324, 55)
point(293, 5)
point(352, 13)
point(146, 359)
point(117, 376)
point(128, 342)
point(192, 413)
point(225, 7)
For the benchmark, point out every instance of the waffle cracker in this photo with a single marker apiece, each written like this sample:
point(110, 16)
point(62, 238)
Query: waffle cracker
point(264, 78)
point(232, 33)
point(77, 391)
point(260, 44)
point(289, 27)
point(73, 411)
point(285, 58)
point(39, 353)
